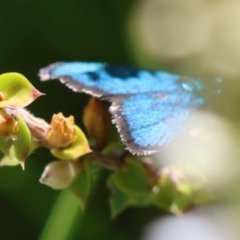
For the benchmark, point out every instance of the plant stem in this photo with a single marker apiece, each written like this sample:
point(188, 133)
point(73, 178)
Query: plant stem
point(39, 128)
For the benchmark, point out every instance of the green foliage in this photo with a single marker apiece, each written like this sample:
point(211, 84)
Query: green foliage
point(81, 186)
point(132, 178)
point(5, 145)
point(129, 186)
point(173, 193)
point(120, 199)
point(16, 91)
point(21, 145)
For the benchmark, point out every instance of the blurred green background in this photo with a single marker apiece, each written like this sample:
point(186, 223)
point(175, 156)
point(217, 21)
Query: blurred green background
point(37, 33)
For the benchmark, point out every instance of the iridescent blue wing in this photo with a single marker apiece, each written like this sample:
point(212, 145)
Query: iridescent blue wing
point(149, 108)
point(148, 121)
point(101, 79)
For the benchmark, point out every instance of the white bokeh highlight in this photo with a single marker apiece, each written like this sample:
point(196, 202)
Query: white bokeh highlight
point(201, 36)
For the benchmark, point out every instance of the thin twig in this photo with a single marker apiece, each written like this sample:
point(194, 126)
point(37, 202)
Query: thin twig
point(37, 126)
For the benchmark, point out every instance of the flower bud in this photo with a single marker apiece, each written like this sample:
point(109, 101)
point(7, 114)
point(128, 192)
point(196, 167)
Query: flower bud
point(96, 119)
point(8, 125)
point(60, 174)
point(62, 131)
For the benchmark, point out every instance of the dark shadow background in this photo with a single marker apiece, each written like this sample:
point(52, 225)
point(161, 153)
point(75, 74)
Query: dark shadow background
point(34, 34)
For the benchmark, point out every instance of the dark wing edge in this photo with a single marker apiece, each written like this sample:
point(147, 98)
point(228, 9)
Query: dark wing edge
point(74, 85)
point(125, 134)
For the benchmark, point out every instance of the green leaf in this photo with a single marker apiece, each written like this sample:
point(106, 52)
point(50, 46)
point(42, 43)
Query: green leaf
point(76, 149)
point(112, 147)
point(132, 178)
point(20, 148)
point(182, 198)
point(81, 186)
point(7, 161)
point(173, 193)
point(16, 91)
point(5, 144)
point(120, 200)
point(142, 199)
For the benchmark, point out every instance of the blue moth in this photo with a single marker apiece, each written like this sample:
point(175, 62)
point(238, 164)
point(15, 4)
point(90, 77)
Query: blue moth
point(149, 108)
